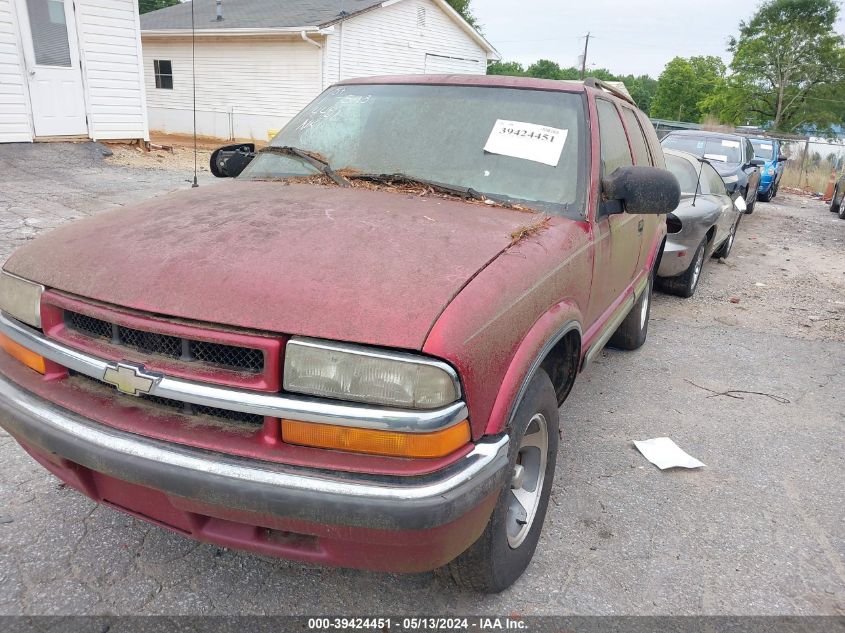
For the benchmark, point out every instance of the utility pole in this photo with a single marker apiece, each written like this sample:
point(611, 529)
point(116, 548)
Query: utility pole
point(584, 58)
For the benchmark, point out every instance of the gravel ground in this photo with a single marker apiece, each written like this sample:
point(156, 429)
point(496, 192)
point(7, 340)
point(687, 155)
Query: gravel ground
point(758, 531)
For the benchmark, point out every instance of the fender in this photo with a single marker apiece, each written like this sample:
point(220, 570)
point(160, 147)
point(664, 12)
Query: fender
point(547, 331)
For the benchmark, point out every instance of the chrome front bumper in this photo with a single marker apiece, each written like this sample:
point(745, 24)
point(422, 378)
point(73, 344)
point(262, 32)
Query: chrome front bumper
point(325, 497)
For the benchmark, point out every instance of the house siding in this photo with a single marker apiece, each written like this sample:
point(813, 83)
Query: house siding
point(15, 125)
point(392, 40)
point(245, 86)
point(109, 36)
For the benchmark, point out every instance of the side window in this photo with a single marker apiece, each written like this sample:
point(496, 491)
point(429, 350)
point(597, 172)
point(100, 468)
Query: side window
point(714, 181)
point(749, 151)
point(638, 142)
point(653, 141)
point(614, 144)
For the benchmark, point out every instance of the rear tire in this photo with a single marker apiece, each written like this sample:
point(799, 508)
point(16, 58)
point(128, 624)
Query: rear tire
point(766, 197)
point(841, 212)
point(684, 285)
point(725, 248)
point(633, 331)
point(505, 548)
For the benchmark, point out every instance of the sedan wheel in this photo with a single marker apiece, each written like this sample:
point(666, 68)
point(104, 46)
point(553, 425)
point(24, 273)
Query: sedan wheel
point(684, 285)
point(725, 249)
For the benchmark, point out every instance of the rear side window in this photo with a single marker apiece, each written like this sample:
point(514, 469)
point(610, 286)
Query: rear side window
point(653, 141)
point(614, 144)
point(638, 142)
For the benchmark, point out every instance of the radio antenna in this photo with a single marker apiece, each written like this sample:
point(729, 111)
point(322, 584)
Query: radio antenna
point(194, 87)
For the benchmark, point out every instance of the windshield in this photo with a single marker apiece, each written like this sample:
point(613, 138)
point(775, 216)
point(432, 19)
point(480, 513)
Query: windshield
point(525, 146)
point(683, 170)
point(717, 149)
point(763, 149)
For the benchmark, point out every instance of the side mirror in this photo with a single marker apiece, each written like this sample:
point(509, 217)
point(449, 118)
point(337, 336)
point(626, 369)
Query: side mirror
point(643, 190)
point(740, 205)
point(757, 162)
point(782, 159)
point(230, 160)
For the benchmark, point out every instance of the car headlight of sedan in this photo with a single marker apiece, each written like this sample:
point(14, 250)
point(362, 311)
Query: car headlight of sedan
point(771, 171)
point(21, 298)
point(360, 374)
point(729, 180)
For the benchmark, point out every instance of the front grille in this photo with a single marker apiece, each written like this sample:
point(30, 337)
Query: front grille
point(182, 407)
point(242, 359)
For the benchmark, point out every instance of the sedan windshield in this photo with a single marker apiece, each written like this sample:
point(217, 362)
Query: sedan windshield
point(716, 149)
point(520, 146)
point(763, 148)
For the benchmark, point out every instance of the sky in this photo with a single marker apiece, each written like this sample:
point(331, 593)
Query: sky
point(627, 36)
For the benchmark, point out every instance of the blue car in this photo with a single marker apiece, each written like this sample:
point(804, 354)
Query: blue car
point(768, 149)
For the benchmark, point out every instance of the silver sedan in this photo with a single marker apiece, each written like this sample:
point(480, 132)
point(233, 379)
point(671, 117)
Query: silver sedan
point(704, 223)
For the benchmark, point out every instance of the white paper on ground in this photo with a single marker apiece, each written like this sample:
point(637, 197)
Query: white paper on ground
point(664, 453)
point(528, 141)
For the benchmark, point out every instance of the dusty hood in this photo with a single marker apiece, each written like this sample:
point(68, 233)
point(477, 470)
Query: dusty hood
point(357, 265)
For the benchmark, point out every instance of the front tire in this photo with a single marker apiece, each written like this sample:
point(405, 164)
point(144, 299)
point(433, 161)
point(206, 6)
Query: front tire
point(750, 206)
point(684, 285)
point(505, 548)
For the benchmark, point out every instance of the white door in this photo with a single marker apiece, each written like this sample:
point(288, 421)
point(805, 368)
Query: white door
point(444, 65)
point(51, 51)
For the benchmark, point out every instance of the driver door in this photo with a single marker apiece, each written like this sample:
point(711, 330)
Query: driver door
point(618, 235)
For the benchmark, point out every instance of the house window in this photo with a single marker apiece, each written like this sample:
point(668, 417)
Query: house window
point(164, 74)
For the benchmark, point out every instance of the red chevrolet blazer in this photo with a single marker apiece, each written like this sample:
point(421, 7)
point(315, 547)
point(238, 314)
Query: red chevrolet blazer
point(354, 352)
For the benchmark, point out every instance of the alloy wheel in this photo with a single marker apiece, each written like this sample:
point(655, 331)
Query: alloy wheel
point(696, 271)
point(527, 481)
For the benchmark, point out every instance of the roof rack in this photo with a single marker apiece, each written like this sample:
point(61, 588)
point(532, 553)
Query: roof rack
point(592, 82)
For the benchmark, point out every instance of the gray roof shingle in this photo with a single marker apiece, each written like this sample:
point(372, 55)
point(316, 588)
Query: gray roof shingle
point(254, 14)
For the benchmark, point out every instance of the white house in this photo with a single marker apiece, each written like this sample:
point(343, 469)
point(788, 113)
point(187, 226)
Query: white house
point(71, 68)
point(264, 60)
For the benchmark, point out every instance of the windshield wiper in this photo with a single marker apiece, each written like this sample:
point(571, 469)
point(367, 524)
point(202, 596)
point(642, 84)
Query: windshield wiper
point(315, 161)
point(463, 192)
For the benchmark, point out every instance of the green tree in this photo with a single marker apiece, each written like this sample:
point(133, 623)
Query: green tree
point(684, 86)
point(465, 11)
point(145, 6)
point(787, 63)
point(545, 69)
point(505, 68)
point(641, 88)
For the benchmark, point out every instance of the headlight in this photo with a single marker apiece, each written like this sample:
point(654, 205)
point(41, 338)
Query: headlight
point(730, 179)
point(360, 374)
point(21, 299)
point(771, 171)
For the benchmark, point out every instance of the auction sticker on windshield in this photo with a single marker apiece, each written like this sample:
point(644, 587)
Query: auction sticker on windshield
point(528, 141)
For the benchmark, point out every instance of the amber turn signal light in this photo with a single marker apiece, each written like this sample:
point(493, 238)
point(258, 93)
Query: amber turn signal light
point(27, 357)
point(373, 442)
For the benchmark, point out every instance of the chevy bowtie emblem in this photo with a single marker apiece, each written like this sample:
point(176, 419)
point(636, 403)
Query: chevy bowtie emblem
point(131, 379)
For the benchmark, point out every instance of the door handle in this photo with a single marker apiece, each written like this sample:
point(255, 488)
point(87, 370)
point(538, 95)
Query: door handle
point(640, 226)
